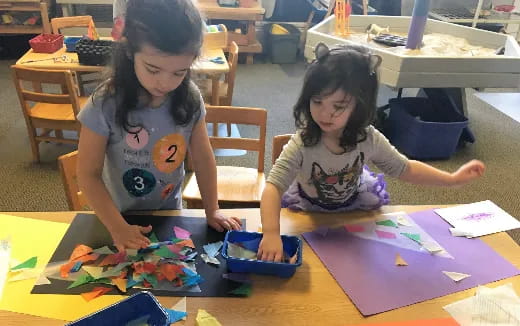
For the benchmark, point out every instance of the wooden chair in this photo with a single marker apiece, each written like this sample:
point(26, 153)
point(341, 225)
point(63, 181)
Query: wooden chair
point(279, 142)
point(76, 21)
point(227, 85)
point(67, 22)
point(237, 186)
point(68, 170)
point(50, 112)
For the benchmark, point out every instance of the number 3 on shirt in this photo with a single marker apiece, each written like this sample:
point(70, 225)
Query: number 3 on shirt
point(169, 153)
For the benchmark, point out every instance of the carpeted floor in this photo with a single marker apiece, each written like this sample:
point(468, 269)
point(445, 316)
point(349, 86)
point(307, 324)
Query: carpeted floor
point(38, 187)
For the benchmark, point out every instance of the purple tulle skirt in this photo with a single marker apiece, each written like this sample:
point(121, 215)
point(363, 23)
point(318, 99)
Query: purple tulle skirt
point(371, 195)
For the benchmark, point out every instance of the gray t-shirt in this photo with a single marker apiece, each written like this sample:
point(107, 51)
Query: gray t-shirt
point(329, 177)
point(144, 168)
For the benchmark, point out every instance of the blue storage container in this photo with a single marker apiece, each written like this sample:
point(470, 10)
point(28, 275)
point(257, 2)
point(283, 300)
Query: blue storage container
point(291, 246)
point(70, 43)
point(136, 307)
point(422, 131)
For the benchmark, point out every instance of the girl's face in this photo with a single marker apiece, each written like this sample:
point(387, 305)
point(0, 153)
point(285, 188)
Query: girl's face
point(160, 73)
point(331, 112)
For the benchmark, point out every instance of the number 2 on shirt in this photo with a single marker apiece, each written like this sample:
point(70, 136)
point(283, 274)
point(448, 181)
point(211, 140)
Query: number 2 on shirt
point(169, 153)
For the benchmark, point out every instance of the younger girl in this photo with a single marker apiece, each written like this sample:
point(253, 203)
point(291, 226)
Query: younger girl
point(322, 168)
point(139, 124)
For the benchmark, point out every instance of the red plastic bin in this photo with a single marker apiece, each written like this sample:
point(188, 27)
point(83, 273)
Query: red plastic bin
point(46, 43)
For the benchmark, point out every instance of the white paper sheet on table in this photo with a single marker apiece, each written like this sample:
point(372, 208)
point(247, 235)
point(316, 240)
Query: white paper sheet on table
point(478, 219)
point(498, 306)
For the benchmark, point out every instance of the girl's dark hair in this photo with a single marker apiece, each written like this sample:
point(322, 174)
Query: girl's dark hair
point(351, 69)
point(171, 26)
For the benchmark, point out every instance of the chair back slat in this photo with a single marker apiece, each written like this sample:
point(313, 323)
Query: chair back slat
point(240, 116)
point(67, 22)
point(279, 142)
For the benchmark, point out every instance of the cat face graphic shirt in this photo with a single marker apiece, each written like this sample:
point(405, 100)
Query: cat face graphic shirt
point(335, 186)
point(331, 180)
point(143, 166)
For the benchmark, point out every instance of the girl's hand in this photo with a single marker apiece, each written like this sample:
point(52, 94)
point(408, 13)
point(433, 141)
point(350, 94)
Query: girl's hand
point(472, 170)
point(220, 222)
point(131, 236)
point(271, 248)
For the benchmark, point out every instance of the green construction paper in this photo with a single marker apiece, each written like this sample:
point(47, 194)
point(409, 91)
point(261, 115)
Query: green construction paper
point(150, 278)
point(165, 253)
point(387, 223)
point(83, 279)
point(177, 240)
point(413, 236)
point(29, 263)
point(153, 238)
point(244, 290)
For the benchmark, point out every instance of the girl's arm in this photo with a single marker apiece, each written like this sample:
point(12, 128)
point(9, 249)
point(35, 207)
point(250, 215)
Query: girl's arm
point(280, 178)
point(91, 156)
point(423, 174)
point(206, 173)
point(271, 248)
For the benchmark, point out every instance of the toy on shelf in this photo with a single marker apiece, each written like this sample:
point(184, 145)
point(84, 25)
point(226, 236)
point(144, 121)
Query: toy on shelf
point(342, 13)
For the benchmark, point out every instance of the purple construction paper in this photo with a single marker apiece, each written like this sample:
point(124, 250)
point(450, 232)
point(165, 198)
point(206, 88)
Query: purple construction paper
point(366, 269)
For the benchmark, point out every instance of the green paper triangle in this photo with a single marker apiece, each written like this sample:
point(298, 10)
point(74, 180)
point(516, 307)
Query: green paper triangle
point(177, 240)
point(83, 279)
point(29, 263)
point(413, 236)
point(387, 223)
point(165, 253)
point(243, 290)
point(152, 279)
point(153, 238)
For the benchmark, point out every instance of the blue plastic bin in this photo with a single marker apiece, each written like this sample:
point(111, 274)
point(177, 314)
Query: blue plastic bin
point(422, 131)
point(241, 265)
point(137, 306)
point(70, 43)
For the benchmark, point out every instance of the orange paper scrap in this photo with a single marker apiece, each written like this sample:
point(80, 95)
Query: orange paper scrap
point(97, 292)
point(399, 261)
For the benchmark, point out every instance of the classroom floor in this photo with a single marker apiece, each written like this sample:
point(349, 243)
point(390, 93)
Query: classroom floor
point(31, 187)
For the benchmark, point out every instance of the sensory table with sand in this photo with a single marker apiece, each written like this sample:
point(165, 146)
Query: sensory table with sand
point(452, 56)
point(311, 295)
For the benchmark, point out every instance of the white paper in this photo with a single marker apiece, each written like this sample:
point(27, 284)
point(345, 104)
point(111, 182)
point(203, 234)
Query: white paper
point(498, 306)
point(401, 217)
point(180, 306)
point(432, 247)
point(479, 218)
point(460, 233)
point(209, 260)
point(25, 274)
point(5, 258)
point(457, 277)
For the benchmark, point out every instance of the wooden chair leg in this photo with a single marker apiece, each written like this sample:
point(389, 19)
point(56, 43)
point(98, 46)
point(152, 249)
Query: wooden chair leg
point(229, 129)
point(35, 145)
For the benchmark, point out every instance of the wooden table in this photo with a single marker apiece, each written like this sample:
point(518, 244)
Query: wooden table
point(311, 296)
point(202, 66)
point(250, 12)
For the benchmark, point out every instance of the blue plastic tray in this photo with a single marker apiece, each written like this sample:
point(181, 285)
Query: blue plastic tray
point(135, 307)
point(70, 43)
point(241, 265)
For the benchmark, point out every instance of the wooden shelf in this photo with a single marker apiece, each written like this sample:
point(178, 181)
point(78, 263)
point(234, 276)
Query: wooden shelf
point(26, 5)
point(20, 29)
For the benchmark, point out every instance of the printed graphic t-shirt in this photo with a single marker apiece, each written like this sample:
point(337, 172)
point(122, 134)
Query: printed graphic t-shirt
point(143, 168)
point(328, 178)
